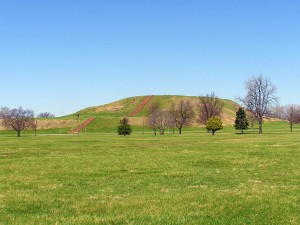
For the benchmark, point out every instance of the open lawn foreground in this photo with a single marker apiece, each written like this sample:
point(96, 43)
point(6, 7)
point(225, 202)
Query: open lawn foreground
point(193, 178)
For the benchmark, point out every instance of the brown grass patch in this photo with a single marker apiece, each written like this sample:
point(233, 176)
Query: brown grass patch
point(113, 107)
point(50, 124)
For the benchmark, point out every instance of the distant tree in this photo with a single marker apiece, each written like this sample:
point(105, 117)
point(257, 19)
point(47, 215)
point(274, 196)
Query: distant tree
point(45, 115)
point(17, 119)
point(241, 121)
point(278, 112)
point(124, 127)
point(164, 120)
point(159, 119)
point(182, 114)
point(261, 96)
point(292, 114)
point(153, 116)
point(208, 106)
point(4, 111)
point(214, 124)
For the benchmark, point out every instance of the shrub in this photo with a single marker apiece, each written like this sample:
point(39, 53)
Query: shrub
point(124, 127)
point(213, 124)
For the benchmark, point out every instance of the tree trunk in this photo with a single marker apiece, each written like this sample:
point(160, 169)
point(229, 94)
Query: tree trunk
point(260, 121)
point(19, 133)
point(179, 130)
point(161, 131)
point(213, 132)
point(291, 127)
point(252, 122)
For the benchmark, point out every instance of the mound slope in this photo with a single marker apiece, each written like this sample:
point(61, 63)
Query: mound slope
point(108, 116)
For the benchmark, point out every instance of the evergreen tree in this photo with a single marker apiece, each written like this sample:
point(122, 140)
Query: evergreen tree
point(241, 122)
point(124, 127)
point(213, 124)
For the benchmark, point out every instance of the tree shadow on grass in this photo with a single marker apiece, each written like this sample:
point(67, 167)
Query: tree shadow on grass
point(246, 133)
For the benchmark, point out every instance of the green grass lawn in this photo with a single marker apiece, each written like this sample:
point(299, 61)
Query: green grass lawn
point(193, 178)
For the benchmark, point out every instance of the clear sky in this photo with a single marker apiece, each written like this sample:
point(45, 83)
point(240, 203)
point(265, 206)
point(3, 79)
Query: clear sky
point(64, 55)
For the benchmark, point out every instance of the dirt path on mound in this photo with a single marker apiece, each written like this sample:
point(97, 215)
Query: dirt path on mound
point(82, 125)
point(141, 106)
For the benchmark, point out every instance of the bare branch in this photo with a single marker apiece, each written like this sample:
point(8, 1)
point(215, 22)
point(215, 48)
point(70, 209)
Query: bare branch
point(209, 106)
point(182, 114)
point(17, 119)
point(261, 96)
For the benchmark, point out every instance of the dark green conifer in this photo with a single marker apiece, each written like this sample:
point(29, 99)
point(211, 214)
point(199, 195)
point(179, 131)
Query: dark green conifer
point(124, 127)
point(241, 121)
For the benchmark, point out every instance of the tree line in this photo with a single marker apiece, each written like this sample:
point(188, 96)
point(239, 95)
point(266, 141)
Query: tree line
point(182, 114)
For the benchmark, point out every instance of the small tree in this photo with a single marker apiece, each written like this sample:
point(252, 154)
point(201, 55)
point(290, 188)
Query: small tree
point(241, 121)
point(261, 96)
point(124, 127)
point(153, 116)
point(292, 114)
point(213, 124)
point(17, 119)
point(164, 120)
point(208, 106)
point(159, 119)
point(182, 114)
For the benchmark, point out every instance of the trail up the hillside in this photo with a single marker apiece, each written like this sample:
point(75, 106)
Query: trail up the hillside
point(82, 125)
point(141, 106)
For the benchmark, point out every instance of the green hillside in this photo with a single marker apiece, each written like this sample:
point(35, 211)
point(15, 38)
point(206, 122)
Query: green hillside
point(108, 115)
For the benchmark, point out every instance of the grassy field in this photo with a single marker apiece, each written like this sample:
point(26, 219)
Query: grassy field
point(193, 178)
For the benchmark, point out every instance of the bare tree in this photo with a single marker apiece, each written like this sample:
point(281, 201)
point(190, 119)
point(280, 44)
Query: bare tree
point(292, 114)
point(153, 116)
point(18, 119)
point(3, 112)
point(164, 120)
point(278, 112)
point(209, 106)
point(260, 97)
point(182, 114)
point(159, 119)
point(45, 115)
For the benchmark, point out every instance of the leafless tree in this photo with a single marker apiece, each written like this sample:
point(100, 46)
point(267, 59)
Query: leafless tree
point(153, 116)
point(292, 114)
point(164, 120)
point(278, 112)
point(159, 119)
point(45, 115)
point(18, 119)
point(182, 114)
point(261, 96)
point(209, 106)
point(3, 112)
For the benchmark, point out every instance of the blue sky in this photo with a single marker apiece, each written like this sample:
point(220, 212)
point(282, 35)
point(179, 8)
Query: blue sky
point(64, 55)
